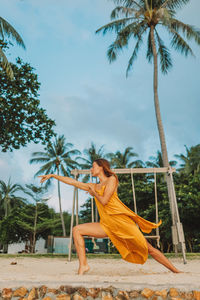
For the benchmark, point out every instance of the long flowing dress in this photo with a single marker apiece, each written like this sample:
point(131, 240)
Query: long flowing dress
point(120, 224)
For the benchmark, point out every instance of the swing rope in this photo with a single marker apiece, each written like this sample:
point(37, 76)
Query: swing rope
point(157, 236)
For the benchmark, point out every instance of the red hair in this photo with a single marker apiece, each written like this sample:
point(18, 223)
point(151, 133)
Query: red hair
point(101, 162)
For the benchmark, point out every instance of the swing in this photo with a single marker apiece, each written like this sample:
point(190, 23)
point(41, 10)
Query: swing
point(177, 229)
point(157, 236)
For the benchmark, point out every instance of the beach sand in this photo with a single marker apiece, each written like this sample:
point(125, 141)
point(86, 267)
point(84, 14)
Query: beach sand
point(54, 272)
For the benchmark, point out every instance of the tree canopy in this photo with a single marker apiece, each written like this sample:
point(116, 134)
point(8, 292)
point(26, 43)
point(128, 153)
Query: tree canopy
point(22, 120)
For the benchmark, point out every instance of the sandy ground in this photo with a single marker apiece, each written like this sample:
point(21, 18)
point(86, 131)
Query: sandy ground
point(54, 272)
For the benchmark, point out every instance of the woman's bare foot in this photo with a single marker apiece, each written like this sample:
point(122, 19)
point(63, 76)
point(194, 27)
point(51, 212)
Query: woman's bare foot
point(177, 271)
point(83, 269)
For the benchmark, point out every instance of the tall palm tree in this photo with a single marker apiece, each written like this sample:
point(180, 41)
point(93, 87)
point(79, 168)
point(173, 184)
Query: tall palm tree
point(56, 158)
point(137, 18)
point(8, 31)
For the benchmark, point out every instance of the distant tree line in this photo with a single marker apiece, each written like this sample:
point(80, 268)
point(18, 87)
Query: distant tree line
point(26, 216)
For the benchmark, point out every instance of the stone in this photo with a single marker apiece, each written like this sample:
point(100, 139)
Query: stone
point(33, 294)
point(42, 291)
point(20, 292)
point(162, 293)
point(77, 297)
point(134, 294)
point(6, 293)
point(106, 296)
point(68, 289)
point(93, 292)
point(196, 295)
point(53, 291)
point(186, 295)
point(82, 291)
point(173, 292)
point(63, 297)
point(147, 293)
point(122, 295)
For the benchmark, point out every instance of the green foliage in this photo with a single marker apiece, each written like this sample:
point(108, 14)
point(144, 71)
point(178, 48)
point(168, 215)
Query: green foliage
point(188, 196)
point(57, 230)
point(22, 120)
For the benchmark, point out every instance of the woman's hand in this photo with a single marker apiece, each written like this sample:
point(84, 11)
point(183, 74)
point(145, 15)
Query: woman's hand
point(45, 177)
point(91, 190)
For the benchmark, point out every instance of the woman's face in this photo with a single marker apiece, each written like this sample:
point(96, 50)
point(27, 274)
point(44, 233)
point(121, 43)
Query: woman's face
point(96, 169)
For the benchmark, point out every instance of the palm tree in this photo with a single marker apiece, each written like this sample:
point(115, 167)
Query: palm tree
point(124, 160)
point(9, 199)
point(157, 162)
point(190, 161)
point(37, 195)
point(8, 196)
point(6, 30)
point(137, 18)
point(57, 158)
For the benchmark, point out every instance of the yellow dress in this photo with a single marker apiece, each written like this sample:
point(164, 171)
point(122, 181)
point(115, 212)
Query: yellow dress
point(120, 225)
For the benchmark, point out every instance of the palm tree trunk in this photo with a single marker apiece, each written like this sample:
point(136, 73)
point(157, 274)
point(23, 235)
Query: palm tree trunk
point(5, 246)
point(61, 213)
point(160, 126)
point(156, 102)
point(35, 229)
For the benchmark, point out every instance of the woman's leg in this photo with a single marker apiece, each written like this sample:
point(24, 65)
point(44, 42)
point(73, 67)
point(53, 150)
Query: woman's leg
point(90, 229)
point(157, 255)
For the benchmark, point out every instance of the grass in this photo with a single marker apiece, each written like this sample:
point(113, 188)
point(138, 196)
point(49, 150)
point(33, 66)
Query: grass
point(189, 256)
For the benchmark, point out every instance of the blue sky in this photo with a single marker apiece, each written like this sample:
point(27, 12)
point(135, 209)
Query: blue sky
point(92, 100)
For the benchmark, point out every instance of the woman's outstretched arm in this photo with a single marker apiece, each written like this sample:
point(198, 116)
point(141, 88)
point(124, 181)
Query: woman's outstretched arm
point(68, 180)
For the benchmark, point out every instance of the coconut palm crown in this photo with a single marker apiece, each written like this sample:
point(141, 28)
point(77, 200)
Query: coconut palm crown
point(135, 19)
point(8, 31)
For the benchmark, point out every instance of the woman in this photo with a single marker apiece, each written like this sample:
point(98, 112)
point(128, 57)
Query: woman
point(117, 221)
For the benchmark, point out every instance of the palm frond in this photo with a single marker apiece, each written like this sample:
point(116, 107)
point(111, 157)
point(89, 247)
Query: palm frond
point(116, 25)
point(135, 52)
point(6, 65)
point(149, 54)
point(38, 160)
point(10, 31)
point(46, 169)
point(165, 57)
point(43, 154)
point(188, 30)
point(121, 10)
point(179, 44)
point(174, 4)
point(65, 171)
point(129, 3)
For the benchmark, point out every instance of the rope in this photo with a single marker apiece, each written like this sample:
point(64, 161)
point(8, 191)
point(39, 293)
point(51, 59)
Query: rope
point(156, 205)
point(133, 189)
